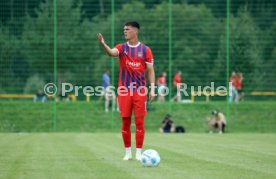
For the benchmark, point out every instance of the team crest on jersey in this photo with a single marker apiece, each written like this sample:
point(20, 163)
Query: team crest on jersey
point(140, 54)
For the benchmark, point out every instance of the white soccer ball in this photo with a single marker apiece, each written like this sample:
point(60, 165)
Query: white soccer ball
point(150, 158)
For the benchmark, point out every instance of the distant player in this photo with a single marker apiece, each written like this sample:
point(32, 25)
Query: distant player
point(135, 59)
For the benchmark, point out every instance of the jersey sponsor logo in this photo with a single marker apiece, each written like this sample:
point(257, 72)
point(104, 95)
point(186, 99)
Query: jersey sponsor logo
point(133, 64)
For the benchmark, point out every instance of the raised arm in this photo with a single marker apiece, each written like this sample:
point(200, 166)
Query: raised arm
point(111, 52)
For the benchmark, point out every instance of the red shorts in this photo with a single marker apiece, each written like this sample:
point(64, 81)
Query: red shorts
point(128, 101)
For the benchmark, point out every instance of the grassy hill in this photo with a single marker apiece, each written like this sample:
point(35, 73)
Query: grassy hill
point(26, 116)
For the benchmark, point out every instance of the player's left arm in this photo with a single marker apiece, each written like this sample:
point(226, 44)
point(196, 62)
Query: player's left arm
point(151, 73)
point(151, 76)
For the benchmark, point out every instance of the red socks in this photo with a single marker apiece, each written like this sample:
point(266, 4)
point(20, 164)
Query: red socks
point(126, 132)
point(140, 131)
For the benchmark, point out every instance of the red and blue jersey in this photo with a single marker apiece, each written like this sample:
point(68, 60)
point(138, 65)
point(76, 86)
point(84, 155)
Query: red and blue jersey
point(133, 61)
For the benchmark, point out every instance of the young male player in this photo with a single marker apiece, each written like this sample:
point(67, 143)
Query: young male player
point(135, 59)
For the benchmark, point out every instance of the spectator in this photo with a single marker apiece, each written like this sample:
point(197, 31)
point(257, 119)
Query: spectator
point(109, 93)
point(105, 83)
point(176, 80)
point(167, 125)
point(40, 96)
point(232, 87)
point(161, 83)
point(110, 96)
point(217, 121)
point(238, 84)
point(106, 79)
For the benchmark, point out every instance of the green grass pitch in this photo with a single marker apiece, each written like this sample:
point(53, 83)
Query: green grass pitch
point(99, 155)
point(26, 116)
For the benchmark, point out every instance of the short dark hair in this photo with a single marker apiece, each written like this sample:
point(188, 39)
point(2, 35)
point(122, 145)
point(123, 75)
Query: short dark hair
point(133, 24)
point(168, 116)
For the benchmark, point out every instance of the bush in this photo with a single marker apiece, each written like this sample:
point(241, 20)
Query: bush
point(34, 83)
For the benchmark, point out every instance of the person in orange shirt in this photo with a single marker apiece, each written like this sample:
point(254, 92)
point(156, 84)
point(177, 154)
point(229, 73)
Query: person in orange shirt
point(176, 80)
point(233, 91)
point(161, 83)
point(238, 85)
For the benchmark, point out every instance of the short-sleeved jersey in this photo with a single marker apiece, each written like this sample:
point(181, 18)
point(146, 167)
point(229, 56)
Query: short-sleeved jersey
point(162, 81)
point(238, 83)
point(176, 80)
point(133, 61)
point(232, 79)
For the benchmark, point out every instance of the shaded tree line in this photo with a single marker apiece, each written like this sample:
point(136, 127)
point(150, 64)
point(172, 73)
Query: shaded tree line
point(198, 40)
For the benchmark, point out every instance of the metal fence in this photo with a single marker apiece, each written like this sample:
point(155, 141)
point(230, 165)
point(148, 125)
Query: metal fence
point(55, 41)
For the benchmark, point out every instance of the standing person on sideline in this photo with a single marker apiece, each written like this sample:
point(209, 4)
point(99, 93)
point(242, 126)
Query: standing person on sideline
point(176, 80)
point(233, 96)
point(239, 80)
point(105, 83)
point(106, 79)
point(162, 84)
point(107, 93)
point(135, 59)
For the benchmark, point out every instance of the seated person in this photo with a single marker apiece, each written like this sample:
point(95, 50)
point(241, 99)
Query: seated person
point(167, 125)
point(217, 121)
point(40, 96)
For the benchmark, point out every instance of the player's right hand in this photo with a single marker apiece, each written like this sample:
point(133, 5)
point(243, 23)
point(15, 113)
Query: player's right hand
point(100, 38)
point(151, 96)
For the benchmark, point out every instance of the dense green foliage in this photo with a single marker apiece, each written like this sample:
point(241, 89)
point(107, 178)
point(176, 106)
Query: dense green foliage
point(198, 40)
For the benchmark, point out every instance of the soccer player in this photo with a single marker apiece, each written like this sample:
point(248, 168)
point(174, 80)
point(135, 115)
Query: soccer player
point(135, 59)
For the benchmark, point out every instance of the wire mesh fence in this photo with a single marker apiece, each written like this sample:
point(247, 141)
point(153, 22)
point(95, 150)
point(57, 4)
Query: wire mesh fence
point(51, 41)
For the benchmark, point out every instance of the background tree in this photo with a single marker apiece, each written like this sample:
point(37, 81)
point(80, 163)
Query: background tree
point(198, 31)
point(245, 51)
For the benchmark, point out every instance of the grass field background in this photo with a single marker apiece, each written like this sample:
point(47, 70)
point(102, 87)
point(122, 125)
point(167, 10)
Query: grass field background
point(99, 155)
point(88, 144)
point(27, 116)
